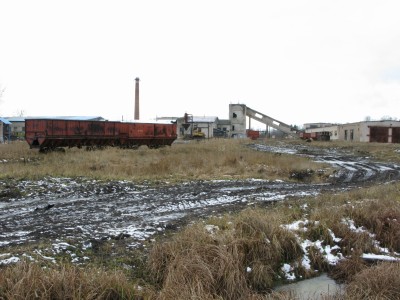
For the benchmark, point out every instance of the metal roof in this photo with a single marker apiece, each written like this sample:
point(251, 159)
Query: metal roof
point(224, 122)
point(204, 119)
point(5, 121)
point(75, 118)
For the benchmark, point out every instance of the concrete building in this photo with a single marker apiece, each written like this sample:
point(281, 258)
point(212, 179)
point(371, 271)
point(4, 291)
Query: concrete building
point(371, 131)
point(239, 114)
point(386, 131)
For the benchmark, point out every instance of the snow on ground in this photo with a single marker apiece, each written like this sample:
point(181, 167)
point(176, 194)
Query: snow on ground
point(82, 210)
point(331, 254)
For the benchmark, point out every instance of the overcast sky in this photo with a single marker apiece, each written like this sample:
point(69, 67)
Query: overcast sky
point(296, 61)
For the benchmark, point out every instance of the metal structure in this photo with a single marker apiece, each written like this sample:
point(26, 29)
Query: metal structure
point(49, 134)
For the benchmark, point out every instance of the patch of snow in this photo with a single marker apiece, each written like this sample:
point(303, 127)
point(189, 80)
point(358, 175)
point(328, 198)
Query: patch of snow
point(212, 229)
point(39, 252)
point(288, 271)
point(296, 225)
point(372, 256)
point(10, 260)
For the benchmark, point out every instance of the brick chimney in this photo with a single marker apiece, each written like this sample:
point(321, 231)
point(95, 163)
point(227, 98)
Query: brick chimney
point(137, 98)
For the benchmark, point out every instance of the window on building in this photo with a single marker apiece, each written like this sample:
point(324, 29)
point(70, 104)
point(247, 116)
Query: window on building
point(234, 115)
point(351, 134)
point(233, 127)
point(345, 135)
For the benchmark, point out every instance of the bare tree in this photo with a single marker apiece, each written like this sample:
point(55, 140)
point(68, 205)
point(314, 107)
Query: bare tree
point(388, 118)
point(19, 113)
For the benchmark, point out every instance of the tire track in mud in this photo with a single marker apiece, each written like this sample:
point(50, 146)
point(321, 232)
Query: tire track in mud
point(350, 170)
point(85, 210)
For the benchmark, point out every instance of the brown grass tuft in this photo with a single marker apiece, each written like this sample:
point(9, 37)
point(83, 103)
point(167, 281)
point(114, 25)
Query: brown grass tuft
point(381, 217)
point(30, 281)
point(346, 269)
point(378, 282)
point(230, 264)
point(194, 265)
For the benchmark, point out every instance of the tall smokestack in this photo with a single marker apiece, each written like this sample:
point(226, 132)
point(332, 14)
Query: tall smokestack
point(137, 98)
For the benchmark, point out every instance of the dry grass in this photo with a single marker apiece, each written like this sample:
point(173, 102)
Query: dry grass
point(197, 264)
point(30, 281)
point(194, 266)
point(378, 282)
point(235, 263)
point(347, 269)
point(242, 256)
point(210, 159)
point(382, 217)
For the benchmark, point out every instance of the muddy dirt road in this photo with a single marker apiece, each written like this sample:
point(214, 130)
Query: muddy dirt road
point(82, 211)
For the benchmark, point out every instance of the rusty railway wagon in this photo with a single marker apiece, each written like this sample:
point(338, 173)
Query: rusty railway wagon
point(51, 134)
point(316, 136)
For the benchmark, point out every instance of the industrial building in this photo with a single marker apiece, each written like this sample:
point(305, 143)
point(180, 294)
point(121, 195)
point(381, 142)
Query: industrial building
point(239, 126)
point(207, 127)
point(385, 131)
point(236, 126)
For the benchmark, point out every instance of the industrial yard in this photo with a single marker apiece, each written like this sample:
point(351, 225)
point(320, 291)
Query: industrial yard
point(53, 212)
point(199, 150)
point(89, 210)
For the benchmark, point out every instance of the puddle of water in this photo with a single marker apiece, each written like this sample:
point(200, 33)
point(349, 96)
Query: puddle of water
point(314, 288)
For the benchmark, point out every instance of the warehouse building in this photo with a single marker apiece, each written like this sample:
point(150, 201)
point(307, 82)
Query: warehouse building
point(385, 131)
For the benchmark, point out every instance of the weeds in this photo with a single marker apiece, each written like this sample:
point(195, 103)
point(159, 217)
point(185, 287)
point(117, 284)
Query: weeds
point(230, 263)
point(30, 281)
point(238, 257)
point(211, 159)
point(378, 282)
